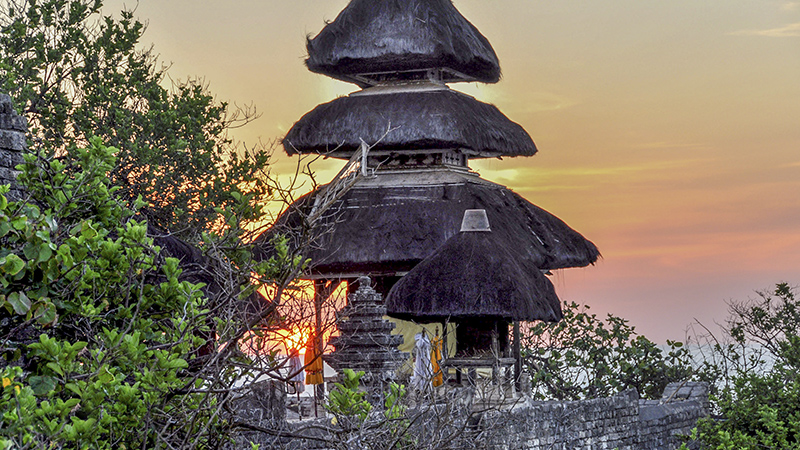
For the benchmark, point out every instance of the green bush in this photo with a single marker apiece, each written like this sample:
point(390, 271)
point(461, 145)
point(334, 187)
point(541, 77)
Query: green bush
point(757, 363)
point(97, 330)
point(583, 356)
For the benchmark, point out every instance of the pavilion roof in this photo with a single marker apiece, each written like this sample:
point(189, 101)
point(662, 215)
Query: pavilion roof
point(475, 274)
point(405, 121)
point(384, 227)
point(379, 36)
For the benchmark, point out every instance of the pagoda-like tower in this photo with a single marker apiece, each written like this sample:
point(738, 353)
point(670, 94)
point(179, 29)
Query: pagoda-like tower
point(403, 55)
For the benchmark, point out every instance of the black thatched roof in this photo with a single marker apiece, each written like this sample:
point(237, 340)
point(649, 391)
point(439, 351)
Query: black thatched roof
point(387, 229)
point(195, 267)
point(371, 36)
point(474, 274)
point(434, 119)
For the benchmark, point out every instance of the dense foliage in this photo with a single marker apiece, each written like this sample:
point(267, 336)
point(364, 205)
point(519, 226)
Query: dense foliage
point(756, 363)
point(583, 356)
point(75, 73)
point(97, 330)
point(105, 344)
point(103, 341)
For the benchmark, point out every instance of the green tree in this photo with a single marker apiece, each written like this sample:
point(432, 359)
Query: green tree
point(76, 73)
point(583, 356)
point(100, 337)
point(91, 342)
point(756, 366)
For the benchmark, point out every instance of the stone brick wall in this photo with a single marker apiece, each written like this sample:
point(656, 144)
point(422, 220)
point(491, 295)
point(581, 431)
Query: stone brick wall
point(661, 421)
point(604, 423)
point(621, 422)
point(12, 143)
point(660, 425)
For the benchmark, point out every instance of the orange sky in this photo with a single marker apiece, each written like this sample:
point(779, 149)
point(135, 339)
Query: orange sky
point(668, 132)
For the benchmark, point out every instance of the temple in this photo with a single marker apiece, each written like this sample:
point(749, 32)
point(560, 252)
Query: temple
point(395, 212)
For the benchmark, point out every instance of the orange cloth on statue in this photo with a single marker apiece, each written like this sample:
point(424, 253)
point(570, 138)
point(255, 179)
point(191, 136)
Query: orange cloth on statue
point(313, 362)
point(436, 356)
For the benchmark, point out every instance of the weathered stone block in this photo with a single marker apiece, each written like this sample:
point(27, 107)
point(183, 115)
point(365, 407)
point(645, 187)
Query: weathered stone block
point(12, 140)
point(262, 403)
point(6, 106)
point(13, 122)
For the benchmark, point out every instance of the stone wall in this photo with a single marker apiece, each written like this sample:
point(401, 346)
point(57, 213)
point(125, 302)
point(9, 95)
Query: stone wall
point(604, 423)
point(676, 413)
point(621, 422)
point(12, 143)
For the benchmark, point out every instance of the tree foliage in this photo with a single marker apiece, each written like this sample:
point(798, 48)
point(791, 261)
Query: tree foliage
point(97, 330)
point(76, 73)
point(756, 363)
point(583, 356)
point(100, 332)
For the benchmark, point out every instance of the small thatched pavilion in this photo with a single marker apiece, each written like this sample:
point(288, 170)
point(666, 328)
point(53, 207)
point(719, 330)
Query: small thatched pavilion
point(480, 281)
point(421, 136)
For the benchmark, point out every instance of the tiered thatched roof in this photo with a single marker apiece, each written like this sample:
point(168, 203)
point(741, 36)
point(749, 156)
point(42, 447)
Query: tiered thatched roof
point(384, 227)
point(475, 274)
point(373, 36)
point(426, 119)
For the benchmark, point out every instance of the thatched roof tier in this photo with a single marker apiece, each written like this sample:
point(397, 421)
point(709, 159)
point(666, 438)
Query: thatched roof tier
point(474, 274)
point(408, 121)
point(387, 225)
point(379, 36)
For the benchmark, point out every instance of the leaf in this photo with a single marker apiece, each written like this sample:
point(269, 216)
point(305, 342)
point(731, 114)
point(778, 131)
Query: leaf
point(45, 313)
point(20, 302)
point(105, 376)
point(42, 385)
point(74, 388)
point(13, 264)
point(55, 368)
point(45, 252)
point(87, 231)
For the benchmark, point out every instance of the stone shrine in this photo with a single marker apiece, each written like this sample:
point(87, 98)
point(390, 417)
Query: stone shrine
point(365, 342)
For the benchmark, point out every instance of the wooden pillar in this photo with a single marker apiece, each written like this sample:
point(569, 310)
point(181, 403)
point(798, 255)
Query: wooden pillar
point(323, 289)
point(517, 356)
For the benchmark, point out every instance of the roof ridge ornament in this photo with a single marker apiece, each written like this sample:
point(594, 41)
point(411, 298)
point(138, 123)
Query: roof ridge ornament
point(475, 220)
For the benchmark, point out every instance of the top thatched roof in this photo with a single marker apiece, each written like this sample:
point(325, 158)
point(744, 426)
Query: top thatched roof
point(475, 274)
point(405, 121)
point(389, 224)
point(374, 36)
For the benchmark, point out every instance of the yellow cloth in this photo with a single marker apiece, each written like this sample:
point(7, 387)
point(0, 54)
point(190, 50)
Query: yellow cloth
point(409, 329)
point(313, 362)
point(436, 356)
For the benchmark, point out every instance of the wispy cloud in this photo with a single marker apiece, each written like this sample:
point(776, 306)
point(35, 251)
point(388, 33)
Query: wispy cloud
point(663, 145)
point(514, 100)
point(582, 176)
point(790, 30)
point(790, 6)
point(546, 101)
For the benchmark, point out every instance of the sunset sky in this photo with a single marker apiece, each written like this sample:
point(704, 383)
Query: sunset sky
point(668, 131)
